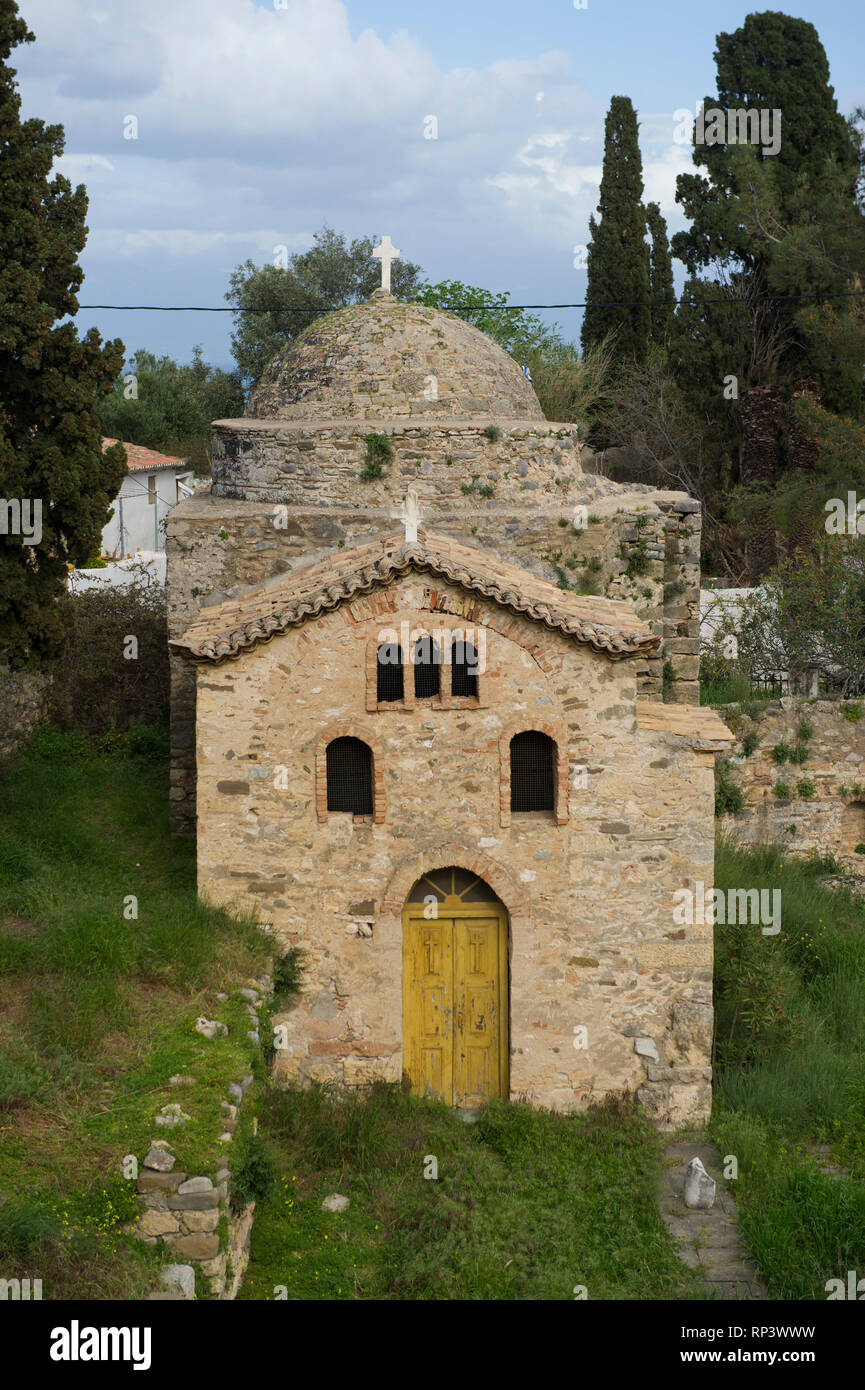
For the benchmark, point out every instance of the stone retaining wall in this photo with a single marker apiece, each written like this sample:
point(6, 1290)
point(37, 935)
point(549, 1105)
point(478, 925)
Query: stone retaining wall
point(831, 818)
point(190, 1215)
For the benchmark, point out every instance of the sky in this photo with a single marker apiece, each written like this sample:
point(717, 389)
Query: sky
point(257, 123)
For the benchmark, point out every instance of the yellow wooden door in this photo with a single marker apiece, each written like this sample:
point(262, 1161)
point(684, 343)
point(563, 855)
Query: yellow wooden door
point(477, 1042)
point(455, 1001)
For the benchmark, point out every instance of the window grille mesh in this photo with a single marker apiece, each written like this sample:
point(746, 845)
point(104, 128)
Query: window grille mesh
point(349, 776)
point(464, 669)
point(427, 671)
point(389, 673)
point(533, 766)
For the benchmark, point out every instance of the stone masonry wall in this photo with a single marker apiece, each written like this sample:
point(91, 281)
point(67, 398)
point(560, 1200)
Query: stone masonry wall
point(191, 1216)
point(593, 939)
point(320, 462)
point(218, 547)
point(830, 817)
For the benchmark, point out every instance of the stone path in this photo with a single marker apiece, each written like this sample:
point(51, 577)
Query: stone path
point(709, 1241)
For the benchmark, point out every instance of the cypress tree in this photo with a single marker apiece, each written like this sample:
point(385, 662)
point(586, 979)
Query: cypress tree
point(661, 290)
point(55, 481)
point(618, 257)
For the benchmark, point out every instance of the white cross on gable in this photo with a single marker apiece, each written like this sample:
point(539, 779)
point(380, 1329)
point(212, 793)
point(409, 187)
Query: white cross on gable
point(410, 514)
point(386, 253)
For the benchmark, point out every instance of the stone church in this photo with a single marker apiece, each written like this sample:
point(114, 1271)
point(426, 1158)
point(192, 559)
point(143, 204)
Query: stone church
point(418, 660)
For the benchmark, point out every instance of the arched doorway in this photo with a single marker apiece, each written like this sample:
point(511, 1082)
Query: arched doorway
point(455, 988)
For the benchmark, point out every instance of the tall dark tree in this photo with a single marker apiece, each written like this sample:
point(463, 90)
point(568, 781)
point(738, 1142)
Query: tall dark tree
point(55, 481)
point(278, 303)
point(618, 257)
point(661, 290)
point(776, 243)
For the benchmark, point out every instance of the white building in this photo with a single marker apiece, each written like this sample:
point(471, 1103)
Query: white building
point(153, 484)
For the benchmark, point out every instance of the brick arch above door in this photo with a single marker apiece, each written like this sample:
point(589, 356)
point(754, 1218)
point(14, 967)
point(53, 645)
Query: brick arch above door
point(459, 856)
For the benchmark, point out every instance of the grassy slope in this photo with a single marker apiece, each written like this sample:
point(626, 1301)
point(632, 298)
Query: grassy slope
point(526, 1205)
point(97, 1011)
point(791, 1047)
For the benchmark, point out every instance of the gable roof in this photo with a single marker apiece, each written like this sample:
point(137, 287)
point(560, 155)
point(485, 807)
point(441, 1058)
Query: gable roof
point(139, 457)
point(227, 629)
point(703, 726)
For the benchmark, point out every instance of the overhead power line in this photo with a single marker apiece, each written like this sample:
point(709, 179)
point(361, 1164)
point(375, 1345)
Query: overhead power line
point(502, 308)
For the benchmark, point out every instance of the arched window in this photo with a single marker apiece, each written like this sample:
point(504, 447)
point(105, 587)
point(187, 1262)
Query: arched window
point(389, 673)
point(349, 776)
point(427, 669)
point(533, 772)
point(464, 669)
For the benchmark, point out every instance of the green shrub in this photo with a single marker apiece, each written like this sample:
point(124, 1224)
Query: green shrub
point(145, 741)
point(805, 730)
point(253, 1173)
point(860, 849)
point(799, 754)
point(781, 753)
point(94, 686)
point(639, 562)
point(476, 488)
point(288, 973)
point(728, 794)
point(853, 711)
point(379, 452)
point(781, 791)
point(805, 788)
point(493, 433)
point(750, 742)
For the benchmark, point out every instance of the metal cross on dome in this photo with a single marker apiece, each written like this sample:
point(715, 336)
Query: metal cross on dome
point(386, 252)
point(410, 514)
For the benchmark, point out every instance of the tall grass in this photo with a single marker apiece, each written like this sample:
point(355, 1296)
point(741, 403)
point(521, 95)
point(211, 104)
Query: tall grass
point(524, 1204)
point(105, 955)
point(790, 1045)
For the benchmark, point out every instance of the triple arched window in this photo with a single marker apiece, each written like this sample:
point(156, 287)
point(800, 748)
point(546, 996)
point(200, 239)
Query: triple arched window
point(443, 670)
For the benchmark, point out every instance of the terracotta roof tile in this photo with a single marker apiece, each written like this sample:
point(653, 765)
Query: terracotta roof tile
point(608, 625)
point(139, 457)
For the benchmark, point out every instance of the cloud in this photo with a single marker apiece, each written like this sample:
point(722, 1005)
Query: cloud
point(256, 125)
point(75, 166)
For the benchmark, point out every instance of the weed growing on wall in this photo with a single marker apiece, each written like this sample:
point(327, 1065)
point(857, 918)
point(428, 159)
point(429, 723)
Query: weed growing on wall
point(379, 453)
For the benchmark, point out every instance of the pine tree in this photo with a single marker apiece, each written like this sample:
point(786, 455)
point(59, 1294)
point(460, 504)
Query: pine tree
point(776, 231)
point(661, 290)
point(618, 257)
point(51, 381)
point(782, 224)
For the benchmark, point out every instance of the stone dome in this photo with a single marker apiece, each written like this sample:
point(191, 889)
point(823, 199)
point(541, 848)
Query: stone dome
point(388, 360)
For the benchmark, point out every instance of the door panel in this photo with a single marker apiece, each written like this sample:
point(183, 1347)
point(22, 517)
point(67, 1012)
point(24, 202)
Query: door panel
point(428, 1008)
point(455, 1004)
point(476, 989)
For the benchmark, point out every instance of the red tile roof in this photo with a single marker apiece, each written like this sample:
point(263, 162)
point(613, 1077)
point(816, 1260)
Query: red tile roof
point(609, 625)
point(139, 457)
